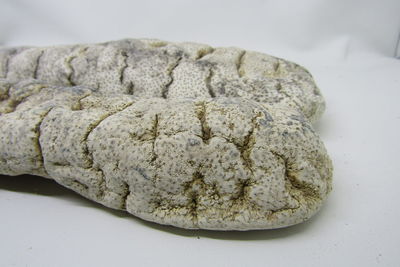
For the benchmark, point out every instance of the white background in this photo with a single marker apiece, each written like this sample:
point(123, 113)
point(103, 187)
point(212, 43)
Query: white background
point(348, 46)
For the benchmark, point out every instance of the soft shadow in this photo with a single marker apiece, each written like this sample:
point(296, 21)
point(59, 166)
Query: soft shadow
point(323, 126)
point(41, 186)
point(251, 235)
point(33, 185)
point(37, 185)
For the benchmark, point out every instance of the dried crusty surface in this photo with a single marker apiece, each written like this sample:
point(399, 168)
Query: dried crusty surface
point(223, 163)
point(148, 68)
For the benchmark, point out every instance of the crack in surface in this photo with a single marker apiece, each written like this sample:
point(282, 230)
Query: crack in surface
point(6, 94)
point(194, 189)
point(71, 70)
point(89, 154)
point(102, 184)
point(243, 190)
point(124, 67)
point(289, 188)
point(60, 164)
point(37, 139)
point(280, 90)
point(277, 66)
point(79, 51)
point(204, 52)
point(14, 103)
point(208, 82)
point(92, 127)
point(35, 71)
point(239, 64)
point(78, 105)
point(125, 195)
point(170, 73)
point(308, 191)
point(201, 115)
point(273, 212)
point(8, 59)
point(248, 143)
point(83, 187)
point(130, 88)
point(245, 150)
point(155, 135)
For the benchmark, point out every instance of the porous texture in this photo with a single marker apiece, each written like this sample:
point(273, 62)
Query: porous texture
point(223, 163)
point(152, 68)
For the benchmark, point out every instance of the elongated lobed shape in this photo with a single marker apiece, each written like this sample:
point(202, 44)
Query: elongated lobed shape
point(223, 163)
point(152, 68)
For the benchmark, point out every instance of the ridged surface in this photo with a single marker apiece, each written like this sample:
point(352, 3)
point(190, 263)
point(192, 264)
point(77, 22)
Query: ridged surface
point(222, 163)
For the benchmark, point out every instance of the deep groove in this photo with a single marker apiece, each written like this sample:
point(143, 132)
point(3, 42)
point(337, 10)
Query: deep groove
point(278, 88)
point(201, 115)
point(277, 65)
point(35, 71)
point(6, 95)
point(59, 164)
point(239, 64)
point(170, 72)
point(290, 189)
point(75, 53)
point(68, 61)
point(39, 146)
point(78, 106)
point(79, 184)
point(7, 63)
point(203, 53)
point(124, 197)
point(307, 190)
point(89, 154)
point(102, 184)
point(270, 216)
point(248, 143)
point(194, 208)
point(155, 134)
point(122, 72)
point(193, 194)
point(92, 127)
point(208, 82)
point(130, 88)
point(285, 163)
point(15, 103)
point(6, 67)
point(243, 190)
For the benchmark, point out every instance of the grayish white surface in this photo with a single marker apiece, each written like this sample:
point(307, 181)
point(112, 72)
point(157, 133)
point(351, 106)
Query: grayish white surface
point(361, 126)
point(218, 163)
point(148, 68)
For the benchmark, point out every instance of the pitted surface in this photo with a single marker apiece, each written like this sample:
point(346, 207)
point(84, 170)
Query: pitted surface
point(154, 68)
point(221, 163)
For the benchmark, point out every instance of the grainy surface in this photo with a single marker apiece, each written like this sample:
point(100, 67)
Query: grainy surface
point(154, 68)
point(223, 163)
